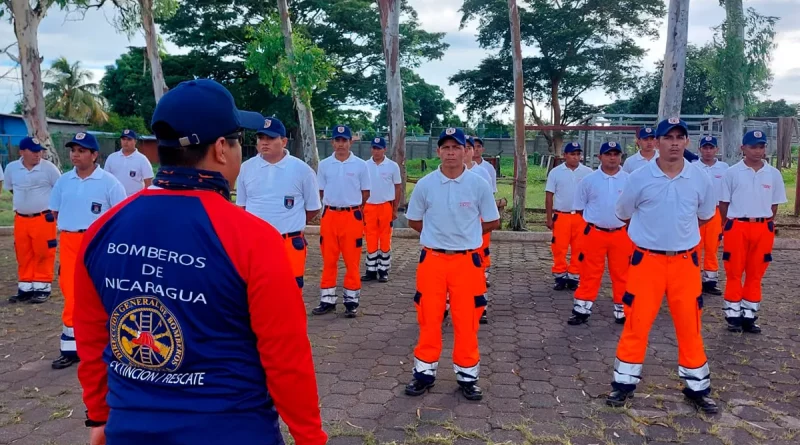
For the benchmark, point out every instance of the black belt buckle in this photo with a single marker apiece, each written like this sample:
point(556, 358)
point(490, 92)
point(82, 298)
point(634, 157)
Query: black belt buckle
point(291, 234)
point(450, 252)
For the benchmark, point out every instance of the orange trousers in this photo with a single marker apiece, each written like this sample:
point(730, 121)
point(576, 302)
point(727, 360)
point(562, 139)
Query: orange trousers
point(297, 249)
point(486, 253)
point(747, 251)
point(460, 276)
point(341, 233)
point(378, 219)
point(652, 275)
point(567, 233)
point(67, 258)
point(35, 247)
point(597, 245)
point(710, 237)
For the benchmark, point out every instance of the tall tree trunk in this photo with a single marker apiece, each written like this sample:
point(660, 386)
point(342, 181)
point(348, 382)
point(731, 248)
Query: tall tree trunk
point(669, 104)
point(390, 24)
point(558, 136)
point(304, 114)
point(733, 120)
point(151, 40)
point(520, 154)
point(26, 28)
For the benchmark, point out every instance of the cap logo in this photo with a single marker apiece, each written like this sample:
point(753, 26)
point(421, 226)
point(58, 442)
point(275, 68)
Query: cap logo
point(612, 144)
point(267, 123)
point(126, 132)
point(35, 141)
point(80, 136)
point(674, 120)
point(648, 130)
point(574, 144)
point(708, 138)
point(377, 140)
point(340, 129)
point(758, 134)
point(450, 131)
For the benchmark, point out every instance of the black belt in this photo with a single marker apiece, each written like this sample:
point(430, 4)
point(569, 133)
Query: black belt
point(603, 229)
point(574, 212)
point(74, 231)
point(758, 220)
point(292, 234)
point(452, 252)
point(342, 209)
point(665, 252)
point(34, 215)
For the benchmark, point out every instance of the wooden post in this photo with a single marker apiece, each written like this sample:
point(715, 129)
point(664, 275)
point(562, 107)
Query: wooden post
point(390, 24)
point(669, 104)
point(520, 153)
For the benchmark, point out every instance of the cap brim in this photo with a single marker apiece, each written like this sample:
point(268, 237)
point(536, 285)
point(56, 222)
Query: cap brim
point(674, 126)
point(269, 133)
point(33, 149)
point(442, 139)
point(251, 120)
point(343, 136)
point(610, 150)
point(71, 143)
point(378, 147)
point(127, 136)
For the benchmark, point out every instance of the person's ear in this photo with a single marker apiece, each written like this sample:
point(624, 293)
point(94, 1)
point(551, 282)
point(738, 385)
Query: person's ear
point(219, 151)
point(285, 141)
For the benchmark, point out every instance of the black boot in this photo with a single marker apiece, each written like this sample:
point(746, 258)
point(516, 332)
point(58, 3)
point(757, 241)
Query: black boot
point(711, 288)
point(370, 276)
point(350, 310)
point(383, 276)
point(703, 403)
point(577, 319)
point(750, 326)
point(39, 297)
point(65, 361)
point(561, 284)
point(619, 320)
point(21, 297)
point(324, 308)
point(418, 387)
point(484, 318)
point(572, 284)
point(734, 324)
point(471, 391)
point(618, 397)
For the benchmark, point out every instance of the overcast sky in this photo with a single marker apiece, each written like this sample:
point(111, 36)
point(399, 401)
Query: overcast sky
point(93, 41)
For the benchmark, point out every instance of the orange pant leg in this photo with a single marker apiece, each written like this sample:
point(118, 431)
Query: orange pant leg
point(593, 261)
point(372, 217)
point(44, 248)
point(26, 258)
point(559, 244)
point(761, 240)
point(329, 244)
point(385, 224)
point(734, 257)
point(685, 300)
point(429, 302)
point(577, 227)
point(620, 249)
point(297, 249)
point(351, 239)
point(467, 288)
point(710, 236)
point(646, 286)
point(68, 256)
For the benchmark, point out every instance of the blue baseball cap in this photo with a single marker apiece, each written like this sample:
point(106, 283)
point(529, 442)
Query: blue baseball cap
point(754, 138)
point(379, 143)
point(470, 141)
point(342, 131)
point(198, 112)
point(85, 140)
point(666, 125)
point(453, 133)
point(610, 146)
point(689, 156)
point(476, 139)
point(129, 134)
point(571, 147)
point(646, 132)
point(708, 140)
point(32, 144)
point(272, 127)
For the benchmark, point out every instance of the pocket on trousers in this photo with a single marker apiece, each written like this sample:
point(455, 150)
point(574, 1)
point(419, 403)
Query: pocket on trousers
point(418, 306)
point(637, 257)
point(726, 256)
point(358, 216)
point(476, 259)
point(52, 244)
point(627, 299)
point(587, 229)
point(768, 257)
point(298, 243)
point(553, 240)
point(555, 217)
point(480, 306)
point(699, 313)
point(728, 225)
point(771, 226)
point(580, 257)
point(359, 242)
point(49, 217)
point(422, 254)
point(695, 259)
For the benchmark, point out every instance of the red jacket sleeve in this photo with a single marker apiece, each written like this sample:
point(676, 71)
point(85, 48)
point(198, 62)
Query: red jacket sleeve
point(91, 338)
point(277, 316)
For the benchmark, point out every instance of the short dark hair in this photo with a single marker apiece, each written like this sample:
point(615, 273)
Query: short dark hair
point(188, 156)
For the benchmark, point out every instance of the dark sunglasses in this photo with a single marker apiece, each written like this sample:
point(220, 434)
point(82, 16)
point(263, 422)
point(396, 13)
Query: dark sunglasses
point(238, 136)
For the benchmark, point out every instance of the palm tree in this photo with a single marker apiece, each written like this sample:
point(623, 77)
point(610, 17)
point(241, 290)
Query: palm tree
point(71, 94)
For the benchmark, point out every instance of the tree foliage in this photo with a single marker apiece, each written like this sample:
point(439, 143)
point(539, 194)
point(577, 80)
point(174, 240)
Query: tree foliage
point(71, 94)
point(424, 105)
point(774, 108)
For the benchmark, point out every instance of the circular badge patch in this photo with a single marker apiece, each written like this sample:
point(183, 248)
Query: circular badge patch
point(146, 334)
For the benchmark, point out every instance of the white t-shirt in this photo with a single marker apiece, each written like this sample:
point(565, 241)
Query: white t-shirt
point(563, 182)
point(492, 174)
point(751, 193)
point(637, 161)
point(343, 182)
point(383, 177)
point(451, 210)
point(664, 211)
point(597, 196)
point(715, 173)
point(131, 170)
point(279, 193)
point(31, 187)
point(79, 202)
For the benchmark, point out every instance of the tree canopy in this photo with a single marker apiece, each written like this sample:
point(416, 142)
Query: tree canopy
point(71, 94)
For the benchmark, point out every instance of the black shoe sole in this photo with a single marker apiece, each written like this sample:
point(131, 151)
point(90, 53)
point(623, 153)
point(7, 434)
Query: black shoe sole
point(350, 314)
point(751, 331)
point(63, 365)
point(698, 406)
point(365, 279)
point(38, 300)
point(383, 280)
point(483, 321)
point(472, 397)
point(323, 312)
point(735, 329)
point(614, 403)
point(416, 393)
point(619, 320)
point(577, 321)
